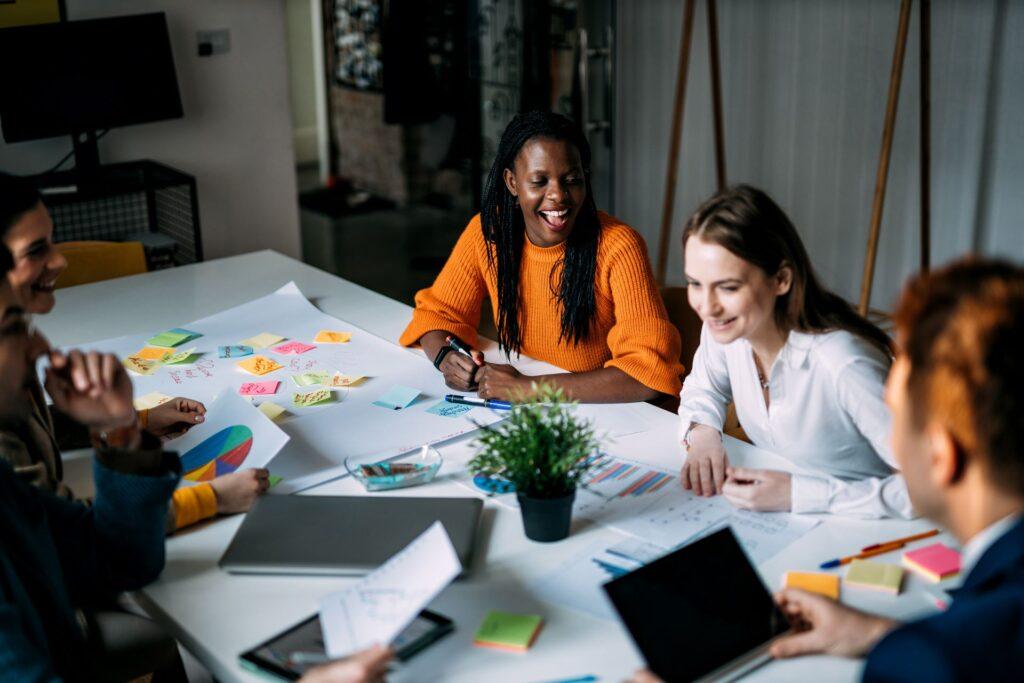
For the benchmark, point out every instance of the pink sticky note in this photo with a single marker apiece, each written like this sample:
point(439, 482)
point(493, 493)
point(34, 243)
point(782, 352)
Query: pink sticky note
point(259, 388)
point(295, 347)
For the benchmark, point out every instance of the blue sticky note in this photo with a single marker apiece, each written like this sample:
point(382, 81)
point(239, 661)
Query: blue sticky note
point(397, 397)
point(234, 351)
point(446, 409)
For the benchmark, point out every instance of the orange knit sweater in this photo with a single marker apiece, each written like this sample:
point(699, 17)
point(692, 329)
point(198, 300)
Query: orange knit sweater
point(631, 330)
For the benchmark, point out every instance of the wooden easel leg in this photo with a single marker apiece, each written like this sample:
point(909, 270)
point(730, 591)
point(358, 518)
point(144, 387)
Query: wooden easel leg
point(882, 174)
point(926, 132)
point(716, 94)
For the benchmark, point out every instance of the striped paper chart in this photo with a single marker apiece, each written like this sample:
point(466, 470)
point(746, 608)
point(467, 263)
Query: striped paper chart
point(616, 478)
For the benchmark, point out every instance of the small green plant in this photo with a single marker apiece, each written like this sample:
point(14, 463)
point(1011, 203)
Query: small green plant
point(542, 448)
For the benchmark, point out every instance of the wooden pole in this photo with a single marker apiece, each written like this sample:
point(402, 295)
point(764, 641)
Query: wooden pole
point(675, 138)
point(882, 174)
point(926, 132)
point(716, 94)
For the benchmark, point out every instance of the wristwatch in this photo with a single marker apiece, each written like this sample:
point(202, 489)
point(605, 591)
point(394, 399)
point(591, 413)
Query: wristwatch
point(126, 436)
point(445, 350)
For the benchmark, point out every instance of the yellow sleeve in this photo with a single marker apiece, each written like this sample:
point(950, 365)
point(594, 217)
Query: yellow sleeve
point(193, 504)
point(453, 302)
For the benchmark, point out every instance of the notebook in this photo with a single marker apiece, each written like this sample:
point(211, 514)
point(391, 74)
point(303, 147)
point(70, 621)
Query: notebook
point(877, 576)
point(934, 562)
point(814, 582)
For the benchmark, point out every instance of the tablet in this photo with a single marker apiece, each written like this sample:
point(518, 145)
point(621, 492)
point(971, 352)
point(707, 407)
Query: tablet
point(289, 655)
point(701, 611)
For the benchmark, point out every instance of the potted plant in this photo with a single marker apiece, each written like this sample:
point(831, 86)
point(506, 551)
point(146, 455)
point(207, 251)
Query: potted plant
point(544, 451)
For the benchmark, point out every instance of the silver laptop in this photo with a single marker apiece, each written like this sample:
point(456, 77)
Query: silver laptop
point(343, 535)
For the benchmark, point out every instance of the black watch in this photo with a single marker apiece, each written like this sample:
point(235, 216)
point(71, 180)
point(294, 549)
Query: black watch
point(445, 350)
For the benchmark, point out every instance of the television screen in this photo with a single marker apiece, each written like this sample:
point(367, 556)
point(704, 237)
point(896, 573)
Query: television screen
point(78, 76)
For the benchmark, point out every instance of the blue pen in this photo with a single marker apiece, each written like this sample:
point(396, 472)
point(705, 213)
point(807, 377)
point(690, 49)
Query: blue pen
point(478, 402)
point(581, 679)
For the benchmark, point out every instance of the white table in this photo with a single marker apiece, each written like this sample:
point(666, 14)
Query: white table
point(217, 616)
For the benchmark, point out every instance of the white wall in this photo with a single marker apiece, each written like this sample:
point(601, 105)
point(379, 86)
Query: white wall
point(236, 136)
point(302, 76)
point(804, 90)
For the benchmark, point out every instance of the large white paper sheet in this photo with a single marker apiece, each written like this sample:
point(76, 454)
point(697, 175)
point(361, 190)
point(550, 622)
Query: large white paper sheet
point(322, 436)
point(380, 605)
point(234, 435)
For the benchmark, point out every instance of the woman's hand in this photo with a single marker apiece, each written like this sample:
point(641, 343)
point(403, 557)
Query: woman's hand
point(367, 666)
point(644, 676)
point(92, 388)
point(236, 492)
point(460, 371)
point(502, 382)
point(175, 417)
point(706, 462)
point(760, 490)
point(823, 626)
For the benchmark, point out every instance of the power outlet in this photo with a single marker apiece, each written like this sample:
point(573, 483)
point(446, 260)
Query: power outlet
point(214, 42)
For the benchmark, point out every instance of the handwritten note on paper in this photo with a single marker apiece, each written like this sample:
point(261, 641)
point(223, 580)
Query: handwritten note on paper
point(380, 605)
point(446, 409)
point(295, 347)
point(312, 398)
point(237, 351)
point(259, 365)
point(332, 337)
point(262, 340)
point(397, 397)
point(339, 379)
point(151, 400)
point(259, 388)
point(172, 338)
point(140, 366)
point(179, 357)
point(151, 353)
point(271, 410)
point(308, 379)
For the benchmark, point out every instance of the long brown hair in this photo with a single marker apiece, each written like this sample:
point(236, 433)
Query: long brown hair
point(746, 222)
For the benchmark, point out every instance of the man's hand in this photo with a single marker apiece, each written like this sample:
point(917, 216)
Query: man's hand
point(706, 462)
point(367, 666)
point(92, 388)
point(824, 626)
point(760, 490)
point(175, 417)
point(502, 382)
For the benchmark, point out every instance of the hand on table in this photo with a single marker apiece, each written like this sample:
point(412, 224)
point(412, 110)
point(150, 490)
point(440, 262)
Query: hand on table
point(175, 417)
point(760, 490)
point(502, 382)
point(460, 371)
point(824, 626)
point(236, 492)
point(367, 666)
point(92, 388)
point(706, 462)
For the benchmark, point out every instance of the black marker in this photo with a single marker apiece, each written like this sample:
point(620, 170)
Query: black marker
point(478, 402)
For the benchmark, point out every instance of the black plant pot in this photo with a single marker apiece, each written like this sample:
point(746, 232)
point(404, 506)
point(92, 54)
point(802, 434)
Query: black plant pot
point(546, 519)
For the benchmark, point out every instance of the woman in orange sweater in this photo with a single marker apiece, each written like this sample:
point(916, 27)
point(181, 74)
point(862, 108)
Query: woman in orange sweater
point(569, 285)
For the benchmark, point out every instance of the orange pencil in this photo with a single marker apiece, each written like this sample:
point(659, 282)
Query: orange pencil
point(900, 542)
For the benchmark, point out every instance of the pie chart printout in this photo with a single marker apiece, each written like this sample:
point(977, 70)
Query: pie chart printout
point(222, 453)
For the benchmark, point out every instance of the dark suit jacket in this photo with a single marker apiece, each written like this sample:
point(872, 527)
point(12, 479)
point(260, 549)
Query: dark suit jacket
point(980, 638)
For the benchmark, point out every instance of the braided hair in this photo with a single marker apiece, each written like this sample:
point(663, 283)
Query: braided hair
point(572, 278)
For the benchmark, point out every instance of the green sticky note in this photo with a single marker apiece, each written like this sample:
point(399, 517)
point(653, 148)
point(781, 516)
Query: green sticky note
point(275, 480)
point(179, 357)
point(875, 575)
point(308, 379)
point(508, 631)
point(172, 338)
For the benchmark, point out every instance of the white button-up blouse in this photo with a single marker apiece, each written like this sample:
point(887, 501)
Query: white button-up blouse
point(827, 414)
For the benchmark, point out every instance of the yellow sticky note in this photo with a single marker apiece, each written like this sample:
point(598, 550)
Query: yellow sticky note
point(151, 400)
point(179, 357)
point(262, 340)
point(341, 380)
point(814, 582)
point(312, 398)
point(875, 575)
point(331, 337)
point(259, 365)
point(151, 353)
point(271, 409)
point(140, 366)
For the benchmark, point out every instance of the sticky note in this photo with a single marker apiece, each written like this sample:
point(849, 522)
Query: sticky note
point(274, 480)
point(172, 338)
point(877, 576)
point(397, 397)
point(151, 353)
point(259, 365)
point(234, 351)
point(312, 398)
point(814, 582)
point(934, 562)
point(446, 409)
point(308, 379)
point(332, 337)
point(507, 631)
point(151, 400)
point(271, 409)
point(140, 366)
point(295, 347)
point(339, 379)
point(179, 357)
point(259, 388)
point(262, 340)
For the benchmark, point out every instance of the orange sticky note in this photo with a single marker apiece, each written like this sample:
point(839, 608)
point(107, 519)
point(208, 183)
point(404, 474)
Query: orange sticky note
point(151, 353)
point(331, 337)
point(814, 582)
point(259, 365)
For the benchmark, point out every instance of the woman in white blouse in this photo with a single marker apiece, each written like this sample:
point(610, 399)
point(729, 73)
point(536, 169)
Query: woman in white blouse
point(805, 372)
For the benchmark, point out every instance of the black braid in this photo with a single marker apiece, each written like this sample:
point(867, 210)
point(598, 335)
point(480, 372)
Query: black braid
point(504, 231)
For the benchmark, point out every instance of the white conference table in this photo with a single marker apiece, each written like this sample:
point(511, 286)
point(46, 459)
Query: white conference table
point(216, 616)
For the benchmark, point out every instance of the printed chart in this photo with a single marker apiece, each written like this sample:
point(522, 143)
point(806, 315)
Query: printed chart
point(222, 453)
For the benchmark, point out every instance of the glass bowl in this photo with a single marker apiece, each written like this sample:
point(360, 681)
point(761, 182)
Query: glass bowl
point(408, 469)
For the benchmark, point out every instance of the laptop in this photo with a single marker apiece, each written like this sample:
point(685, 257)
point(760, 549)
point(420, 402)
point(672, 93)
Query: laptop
point(343, 535)
point(699, 613)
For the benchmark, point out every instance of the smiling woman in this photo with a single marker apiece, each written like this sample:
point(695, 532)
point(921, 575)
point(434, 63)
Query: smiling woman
point(569, 285)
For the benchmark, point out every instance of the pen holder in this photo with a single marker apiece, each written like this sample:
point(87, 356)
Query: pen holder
point(408, 469)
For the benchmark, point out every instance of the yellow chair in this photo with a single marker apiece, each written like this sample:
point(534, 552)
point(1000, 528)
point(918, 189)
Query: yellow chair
point(96, 261)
